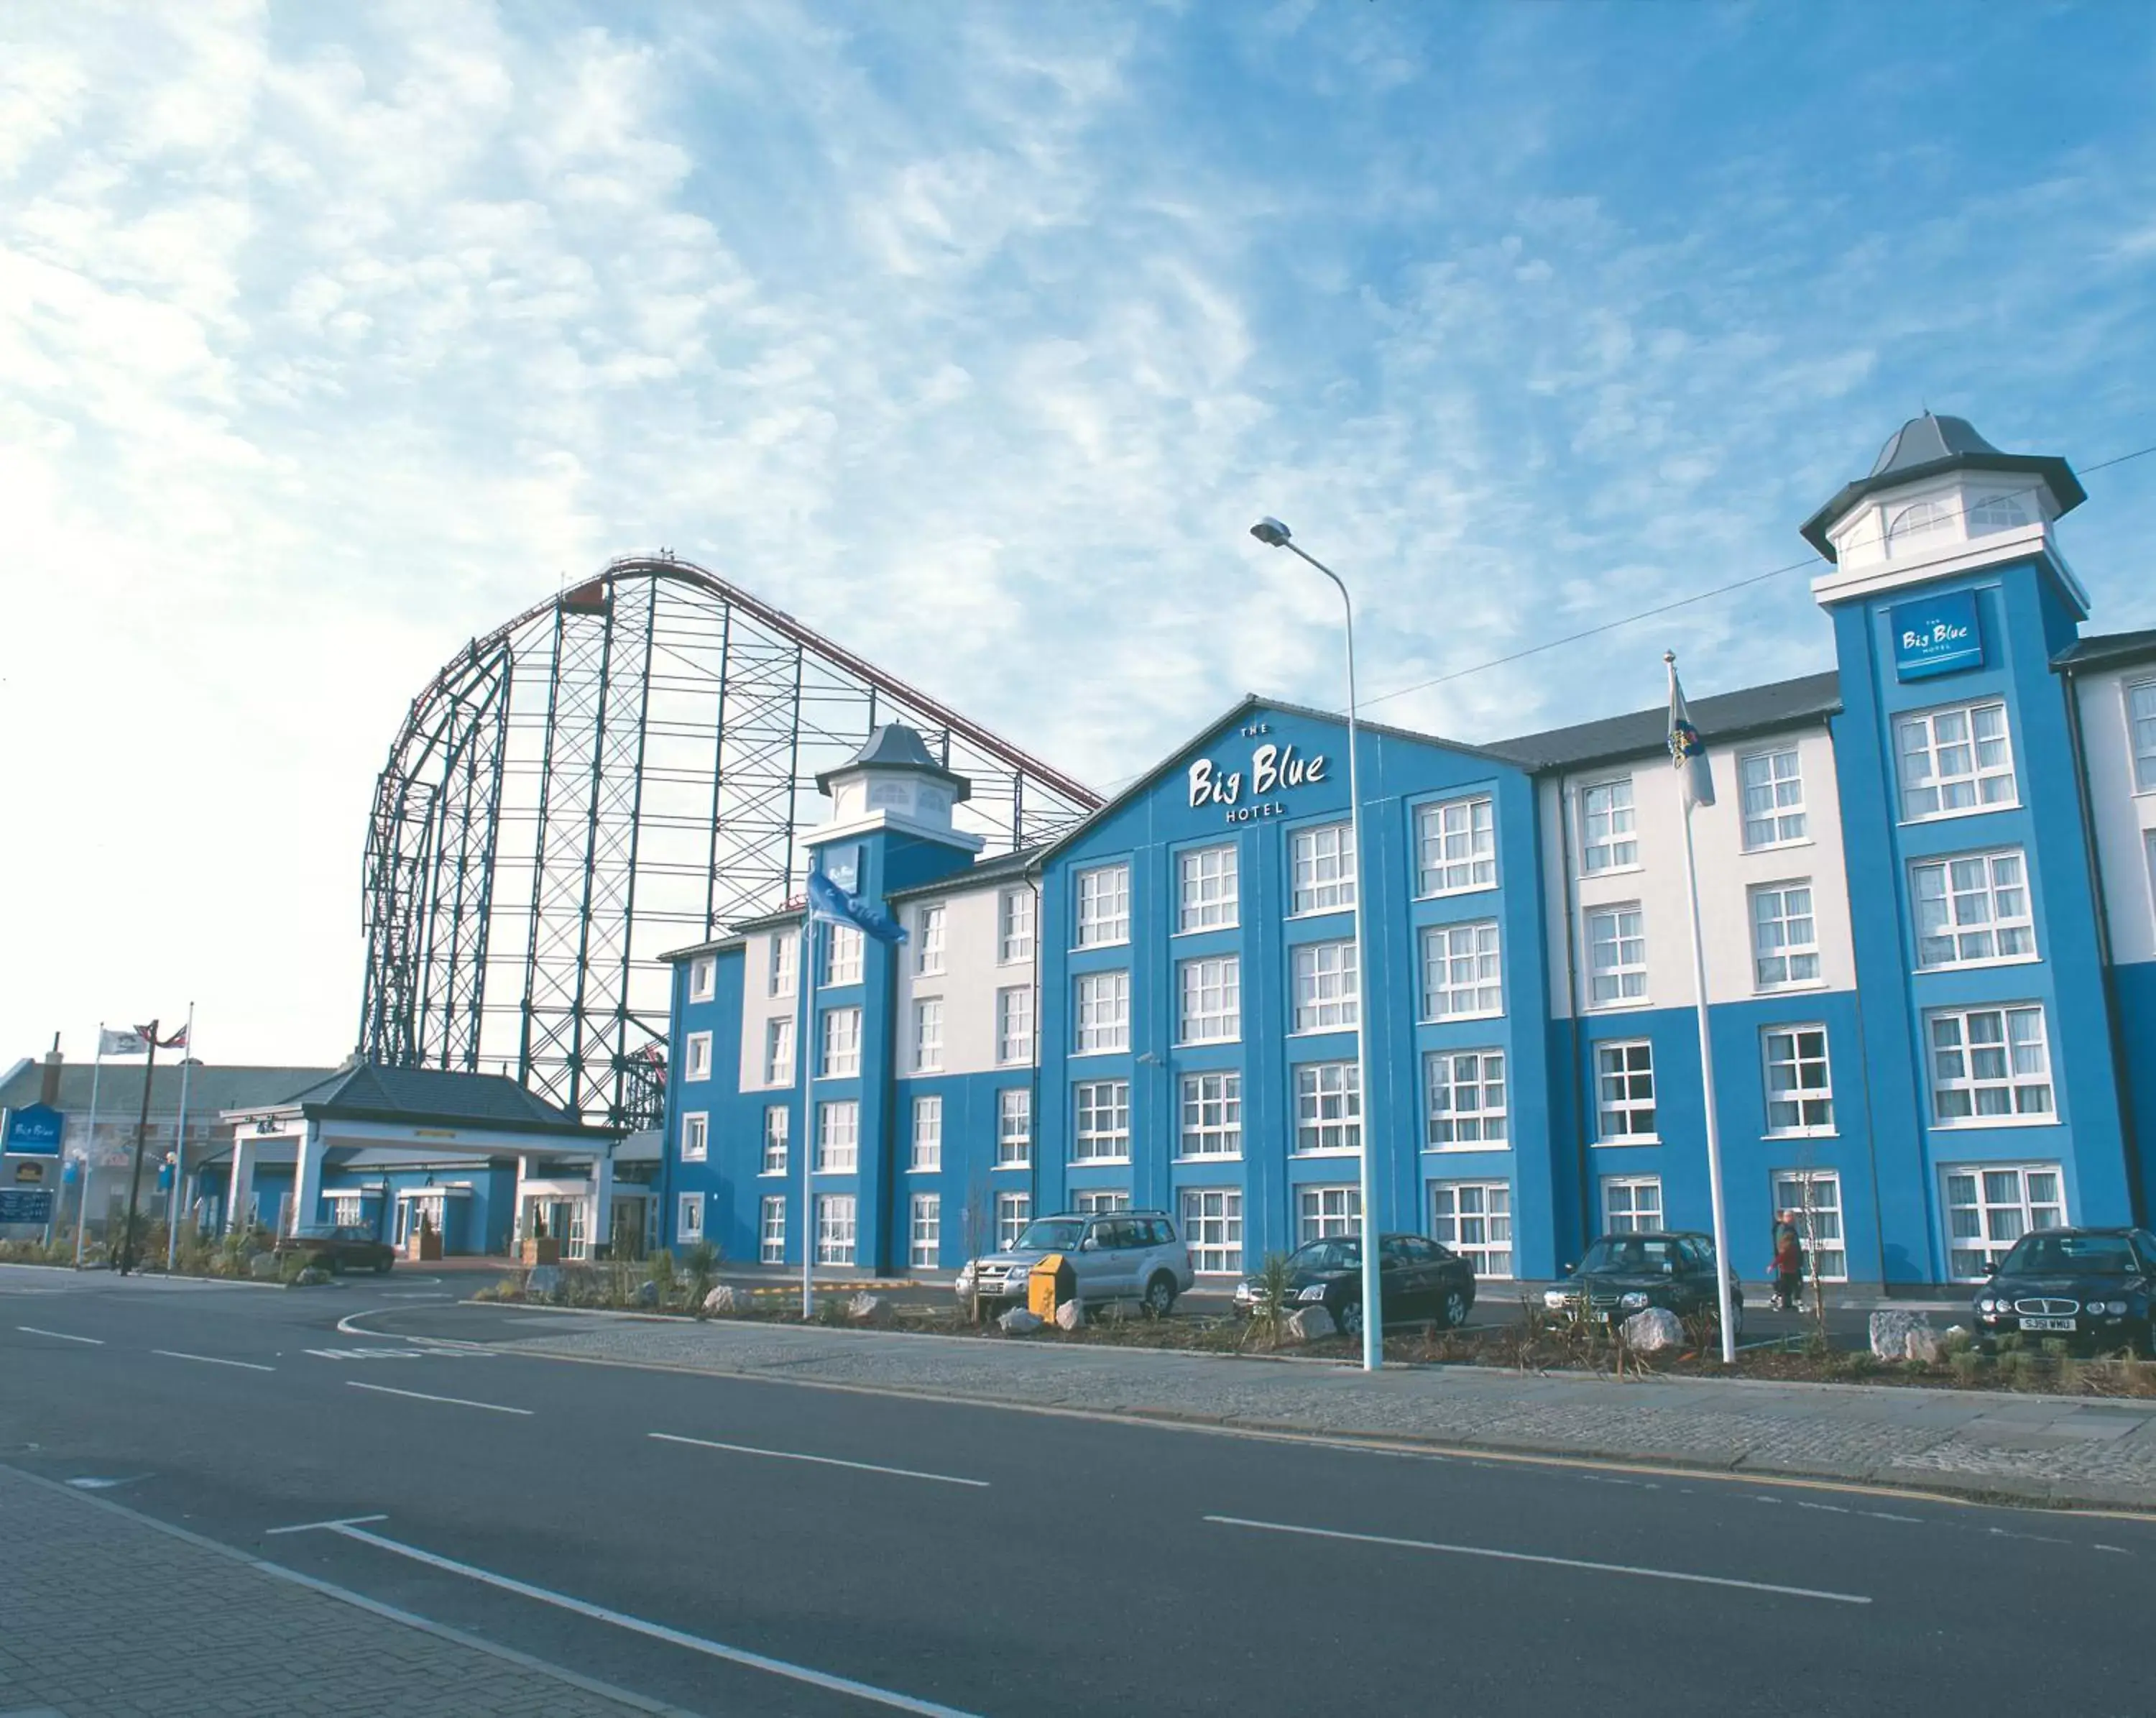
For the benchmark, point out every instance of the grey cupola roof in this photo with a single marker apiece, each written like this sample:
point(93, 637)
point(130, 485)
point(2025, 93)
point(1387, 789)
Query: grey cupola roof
point(1928, 446)
point(892, 745)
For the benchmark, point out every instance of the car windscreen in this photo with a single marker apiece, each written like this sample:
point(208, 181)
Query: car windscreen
point(1633, 1253)
point(2045, 1254)
point(1329, 1256)
point(1051, 1235)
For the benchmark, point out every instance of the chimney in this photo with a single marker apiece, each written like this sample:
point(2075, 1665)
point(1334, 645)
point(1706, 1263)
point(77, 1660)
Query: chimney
point(49, 1082)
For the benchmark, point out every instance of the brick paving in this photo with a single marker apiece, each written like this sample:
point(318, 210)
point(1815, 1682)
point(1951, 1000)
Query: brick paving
point(2046, 1450)
point(111, 1616)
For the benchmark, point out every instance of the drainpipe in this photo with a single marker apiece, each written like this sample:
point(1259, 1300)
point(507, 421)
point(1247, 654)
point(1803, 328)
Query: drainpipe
point(1582, 1091)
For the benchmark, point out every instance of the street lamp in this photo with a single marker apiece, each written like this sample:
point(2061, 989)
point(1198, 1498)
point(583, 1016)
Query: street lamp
point(1274, 535)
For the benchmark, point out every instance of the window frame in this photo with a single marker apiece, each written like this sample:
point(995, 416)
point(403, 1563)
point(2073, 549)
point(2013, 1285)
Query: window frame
point(1790, 953)
point(1320, 895)
point(1621, 829)
point(1633, 1183)
point(778, 1143)
point(1007, 996)
point(1996, 926)
point(695, 1058)
point(1438, 986)
point(1804, 1182)
point(703, 978)
point(844, 950)
point(1093, 1033)
point(1967, 1048)
point(1621, 970)
point(1447, 1117)
point(2141, 762)
point(1630, 1103)
point(835, 1245)
point(1346, 1077)
point(1796, 1062)
point(1016, 925)
point(779, 1033)
point(1314, 1221)
point(782, 976)
point(1005, 1137)
point(1430, 832)
point(689, 1217)
point(1191, 907)
point(832, 1049)
point(1102, 917)
point(1223, 1105)
point(1777, 811)
point(1938, 781)
point(924, 1251)
point(1347, 1002)
point(925, 1151)
point(696, 1128)
point(1013, 1210)
point(930, 924)
point(1477, 1253)
point(829, 1112)
point(770, 1240)
point(2026, 1207)
point(1226, 1019)
point(1212, 1257)
point(1086, 1099)
point(927, 1035)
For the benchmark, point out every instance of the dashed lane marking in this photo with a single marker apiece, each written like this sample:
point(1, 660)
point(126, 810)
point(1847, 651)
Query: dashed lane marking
point(211, 1360)
point(788, 1455)
point(62, 1336)
point(492, 1407)
point(316, 1526)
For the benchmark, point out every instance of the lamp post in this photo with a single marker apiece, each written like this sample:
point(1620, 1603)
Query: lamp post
point(1274, 535)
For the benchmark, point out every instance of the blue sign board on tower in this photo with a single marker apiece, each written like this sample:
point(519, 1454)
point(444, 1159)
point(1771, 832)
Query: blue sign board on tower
point(1940, 634)
point(32, 1131)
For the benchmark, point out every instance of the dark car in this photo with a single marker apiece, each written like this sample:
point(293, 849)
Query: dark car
point(1622, 1274)
point(2095, 1288)
point(338, 1249)
point(1417, 1278)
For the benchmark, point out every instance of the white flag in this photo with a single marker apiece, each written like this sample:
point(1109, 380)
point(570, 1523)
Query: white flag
point(112, 1043)
point(1688, 751)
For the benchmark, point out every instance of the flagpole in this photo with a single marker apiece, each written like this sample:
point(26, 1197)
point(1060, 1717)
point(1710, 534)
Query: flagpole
point(805, 1069)
point(141, 1132)
point(89, 1149)
point(179, 1149)
point(1706, 1036)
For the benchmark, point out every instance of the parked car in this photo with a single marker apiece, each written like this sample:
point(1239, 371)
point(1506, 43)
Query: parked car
point(2096, 1287)
point(338, 1249)
point(1417, 1280)
point(1622, 1274)
point(1114, 1255)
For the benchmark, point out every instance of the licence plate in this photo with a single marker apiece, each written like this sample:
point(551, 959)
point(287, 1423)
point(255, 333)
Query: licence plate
point(2047, 1323)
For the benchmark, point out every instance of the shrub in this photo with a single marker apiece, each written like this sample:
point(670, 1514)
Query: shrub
point(1859, 1363)
point(1966, 1364)
point(2056, 1347)
point(2010, 1343)
point(702, 1266)
point(658, 1271)
point(290, 1266)
point(1271, 1311)
point(1956, 1341)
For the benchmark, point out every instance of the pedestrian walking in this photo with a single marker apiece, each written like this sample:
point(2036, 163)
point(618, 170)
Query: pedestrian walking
point(1788, 1264)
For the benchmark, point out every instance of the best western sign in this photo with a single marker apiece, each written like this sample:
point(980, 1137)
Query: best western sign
point(1242, 792)
point(1941, 634)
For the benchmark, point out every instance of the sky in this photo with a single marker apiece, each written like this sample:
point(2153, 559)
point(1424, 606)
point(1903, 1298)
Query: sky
point(975, 336)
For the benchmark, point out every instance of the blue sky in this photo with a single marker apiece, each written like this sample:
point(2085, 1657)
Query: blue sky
point(976, 334)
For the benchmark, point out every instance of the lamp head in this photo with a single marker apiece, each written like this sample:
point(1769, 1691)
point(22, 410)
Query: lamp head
point(1270, 533)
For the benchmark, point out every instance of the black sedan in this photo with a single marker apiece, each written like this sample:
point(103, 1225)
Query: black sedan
point(2096, 1288)
point(1622, 1274)
point(1417, 1279)
point(336, 1249)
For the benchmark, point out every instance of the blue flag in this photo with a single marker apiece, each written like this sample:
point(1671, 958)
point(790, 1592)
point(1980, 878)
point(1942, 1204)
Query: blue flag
point(1688, 751)
point(832, 904)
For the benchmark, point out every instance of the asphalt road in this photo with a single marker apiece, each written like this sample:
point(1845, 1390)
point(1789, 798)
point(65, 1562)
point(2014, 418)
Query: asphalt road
point(990, 1562)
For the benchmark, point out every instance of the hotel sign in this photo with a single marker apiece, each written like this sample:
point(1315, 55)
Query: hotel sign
point(1941, 634)
point(1242, 794)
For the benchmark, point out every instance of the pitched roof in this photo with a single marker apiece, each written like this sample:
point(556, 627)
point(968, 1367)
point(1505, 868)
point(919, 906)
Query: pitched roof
point(1929, 446)
point(120, 1087)
point(892, 745)
point(444, 1096)
point(1724, 717)
point(2107, 648)
point(1014, 863)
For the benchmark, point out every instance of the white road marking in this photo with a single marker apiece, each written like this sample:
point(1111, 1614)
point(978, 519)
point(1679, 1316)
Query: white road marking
point(1508, 1556)
point(788, 1455)
point(1881, 1515)
point(62, 1336)
point(658, 1631)
point(87, 1484)
point(316, 1526)
point(1826, 1508)
point(363, 1353)
point(211, 1360)
point(492, 1407)
point(2115, 1550)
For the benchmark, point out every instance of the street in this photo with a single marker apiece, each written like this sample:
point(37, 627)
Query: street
point(737, 1545)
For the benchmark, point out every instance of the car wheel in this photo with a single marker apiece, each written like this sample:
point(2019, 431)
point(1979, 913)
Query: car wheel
point(1160, 1294)
point(1452, 1310)
point(1350, 1318)
point(381, 1266)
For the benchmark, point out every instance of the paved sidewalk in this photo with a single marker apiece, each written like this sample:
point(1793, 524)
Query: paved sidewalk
point(112, 1616)
point(2047, 1449)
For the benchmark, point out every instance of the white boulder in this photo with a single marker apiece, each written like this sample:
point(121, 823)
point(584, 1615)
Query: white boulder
point(723, 1299)
point(1018, 1322)
point(1923, 1345)
point(262, 1266)
point(1892, 1330)
point(1311, 1324)
point(1654, 1330)
point(1070, 1316)
point(872, 1309)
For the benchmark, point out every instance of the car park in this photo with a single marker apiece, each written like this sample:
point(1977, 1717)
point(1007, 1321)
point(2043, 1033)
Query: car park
point(1622, 1274)
point(338, 1249)
point(1116, 1255)
point(1417, 1279)
point(2092, 1288)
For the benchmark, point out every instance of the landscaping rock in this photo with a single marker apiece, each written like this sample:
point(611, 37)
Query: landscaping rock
point(1653, 1330)
point(542, 1282)
point(1891, 1330)
point(1018, 1322)
point(1070, 1315)
point(1311, 1323)
point(647, 1293)
point(262, 1266)
point(870, 1309)
point(1923, 1345)
point(311, 1278)
point(723, 1299)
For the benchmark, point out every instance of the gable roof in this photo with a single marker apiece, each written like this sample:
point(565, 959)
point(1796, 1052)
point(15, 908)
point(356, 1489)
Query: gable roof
point(440, 1097)
point(1014, 863)
point(2107, 649)
point(120, 1087)
point(1725, 715)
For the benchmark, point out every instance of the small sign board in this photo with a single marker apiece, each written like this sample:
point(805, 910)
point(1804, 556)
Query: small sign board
point(32, 1131)
point(1938, 634)
point(26, 1204)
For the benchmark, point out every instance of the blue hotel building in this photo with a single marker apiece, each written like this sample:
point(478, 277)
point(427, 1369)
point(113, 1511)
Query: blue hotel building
point(1927, 893)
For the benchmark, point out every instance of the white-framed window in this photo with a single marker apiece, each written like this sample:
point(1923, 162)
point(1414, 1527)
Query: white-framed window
point(927, 1034)
point(770, 1230)
point(1785, 936)
point(781, 980)
point(1460, 977)
point(777, 1132)
point(842, 954)
point(1014, 1025)
point(1815, 1196)
point(347, 1210)
point(695, 1137)
point(1973, 909)
point(1771, 785)
point(928, 939)
point(1321, 867)
point(1990, 1206)
point(1212, 1115)
point(703, 979)
point(1631, 1203)
point(1323, 1213)
point(1013, 1211)
point(1015, 1127)
point(1210, 1008)
point(925, 1226)
point(1990, 1066)
point(1475, 1220)
point(927, 1133)
point(2149, 842)
point(1014, 926)
point(1328, 1107)
point(1098, 1201)
point(1624, 1093)
point(1103, 1130)
point(1213, 1229)
point(697, 1065)
point(2141, 733)
point(778, 1051)
point(1456, 846)
point(689, 1228)
point(838, 1137)
point(1205, 888)
point(1326, 994)
point(834, 1229)
point(842, 1042)
point(1103, 1011)
point(1608, 826)
point(1104, 905)
point(1957, 759)
point(1799, 1084)
point(1919, 519)
point(1466, 1091)
point(1994, 512)
point(1616, 955)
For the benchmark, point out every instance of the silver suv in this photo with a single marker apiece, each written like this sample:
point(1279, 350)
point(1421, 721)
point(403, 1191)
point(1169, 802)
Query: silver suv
point(1116, 1255)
